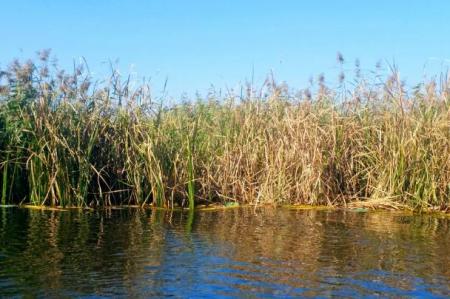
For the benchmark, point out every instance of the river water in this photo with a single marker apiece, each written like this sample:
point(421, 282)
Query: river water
point(240, 252)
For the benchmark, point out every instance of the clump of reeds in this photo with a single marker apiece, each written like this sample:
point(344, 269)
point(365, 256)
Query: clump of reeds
point(67, 141)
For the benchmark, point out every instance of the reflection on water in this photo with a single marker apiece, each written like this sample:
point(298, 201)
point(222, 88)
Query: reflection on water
point(239, 252)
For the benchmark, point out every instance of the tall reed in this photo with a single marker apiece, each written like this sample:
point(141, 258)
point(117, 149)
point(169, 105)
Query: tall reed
point(65, 140)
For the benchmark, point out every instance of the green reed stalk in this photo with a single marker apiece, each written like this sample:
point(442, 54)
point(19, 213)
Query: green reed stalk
point(191, 180)
point(5, 180)
point(190, 166)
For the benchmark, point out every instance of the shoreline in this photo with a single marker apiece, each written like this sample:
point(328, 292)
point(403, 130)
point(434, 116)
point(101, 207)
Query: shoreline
point(220, 207)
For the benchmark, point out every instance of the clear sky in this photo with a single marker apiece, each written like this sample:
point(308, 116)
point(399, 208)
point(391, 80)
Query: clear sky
point(198, 43)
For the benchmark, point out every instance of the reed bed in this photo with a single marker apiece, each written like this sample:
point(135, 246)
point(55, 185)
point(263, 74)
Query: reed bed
point(66, 140)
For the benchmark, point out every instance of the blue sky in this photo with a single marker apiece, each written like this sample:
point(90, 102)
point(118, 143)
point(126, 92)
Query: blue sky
point(198, 43)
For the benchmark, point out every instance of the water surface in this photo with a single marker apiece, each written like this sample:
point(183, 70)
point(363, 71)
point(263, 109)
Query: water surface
point(231, 253)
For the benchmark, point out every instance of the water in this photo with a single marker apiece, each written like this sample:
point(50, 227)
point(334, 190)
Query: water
point(230, 253)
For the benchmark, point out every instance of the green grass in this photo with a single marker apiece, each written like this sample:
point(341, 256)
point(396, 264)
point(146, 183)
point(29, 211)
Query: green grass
point(66, 141)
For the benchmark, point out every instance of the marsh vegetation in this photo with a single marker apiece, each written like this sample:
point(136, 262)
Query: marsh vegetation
point(67, 140)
